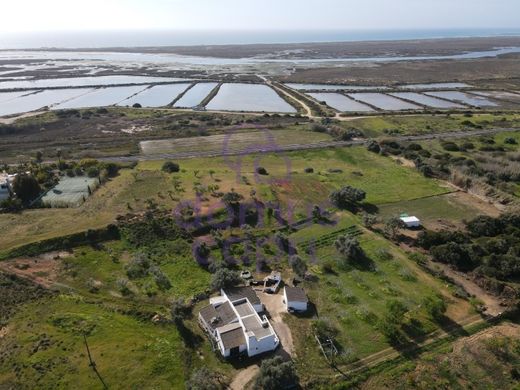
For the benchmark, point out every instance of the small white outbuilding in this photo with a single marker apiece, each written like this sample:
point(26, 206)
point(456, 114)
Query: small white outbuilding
point(295, 299)
point(411, 222)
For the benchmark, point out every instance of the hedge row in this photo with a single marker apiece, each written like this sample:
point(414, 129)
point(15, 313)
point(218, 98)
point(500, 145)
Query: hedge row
point(91, 236)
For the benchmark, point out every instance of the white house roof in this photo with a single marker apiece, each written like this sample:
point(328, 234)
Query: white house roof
point(410, 219)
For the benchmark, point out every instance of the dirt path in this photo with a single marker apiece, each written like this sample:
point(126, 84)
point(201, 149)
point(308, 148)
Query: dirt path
point(11, 120)
point(274, 305)
point(244, 377)
point(492, 303)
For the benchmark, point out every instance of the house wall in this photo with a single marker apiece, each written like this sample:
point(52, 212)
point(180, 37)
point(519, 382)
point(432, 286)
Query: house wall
point(4, 191)
point(297, 306)
point(256, 347)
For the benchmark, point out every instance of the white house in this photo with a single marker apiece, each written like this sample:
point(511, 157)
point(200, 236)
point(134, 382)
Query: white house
point(411, 222)
point(235, 327)
point(295, 299)
point(5, 186)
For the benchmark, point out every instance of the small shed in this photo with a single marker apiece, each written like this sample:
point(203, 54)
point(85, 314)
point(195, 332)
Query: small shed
point(295, 299)
point(411, 222)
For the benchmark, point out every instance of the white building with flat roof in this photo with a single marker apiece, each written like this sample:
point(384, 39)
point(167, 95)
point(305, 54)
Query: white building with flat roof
point(235, 326)
point(411, 222)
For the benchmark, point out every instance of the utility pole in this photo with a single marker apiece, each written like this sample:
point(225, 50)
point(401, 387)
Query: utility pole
point(92, 363)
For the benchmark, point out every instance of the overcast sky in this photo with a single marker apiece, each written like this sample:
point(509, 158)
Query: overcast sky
point(52, 15)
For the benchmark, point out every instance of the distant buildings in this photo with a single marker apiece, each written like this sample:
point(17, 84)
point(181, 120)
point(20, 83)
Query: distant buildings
point(6, 182)
point(233, 323)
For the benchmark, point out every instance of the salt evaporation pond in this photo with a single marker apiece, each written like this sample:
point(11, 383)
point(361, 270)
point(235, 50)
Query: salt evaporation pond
point(341, 102)
point(330, 87)
point(248, 97)
point(435, 86)
point(194, 96)
point(101, 97)
point(472, 100)
point(383, 101)
point(39, 100)
point(6, 96)
point(426, 100)
point(503, 95)
point(84, 82)
point(158, 96)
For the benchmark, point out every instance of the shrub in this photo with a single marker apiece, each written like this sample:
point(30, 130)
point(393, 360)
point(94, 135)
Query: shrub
point(510, 141)
point(26, 187)
point(347, 196)
point(276, 374)
point(92, 172)
point(309, 170)
point(170, 167)
point(349, 249)
point(224, 278)
point(261, 171)
point(298, 265)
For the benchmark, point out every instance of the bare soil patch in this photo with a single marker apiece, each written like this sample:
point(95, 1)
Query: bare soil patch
point(42, 270)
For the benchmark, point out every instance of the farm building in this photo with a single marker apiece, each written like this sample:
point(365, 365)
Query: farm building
point(234, 325)
point(295, 299)
point(411, 222)
point(6, 182)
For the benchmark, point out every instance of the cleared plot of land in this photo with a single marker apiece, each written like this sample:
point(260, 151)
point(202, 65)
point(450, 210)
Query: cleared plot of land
point(463, 98)
point(426, 100)
point(70, 192)
point(249, 97)
point(101, 97)
point(239, 141)
point(384, 102)
point(195, 95)
point(158, 96)
point(341, 102)
point(444, 211)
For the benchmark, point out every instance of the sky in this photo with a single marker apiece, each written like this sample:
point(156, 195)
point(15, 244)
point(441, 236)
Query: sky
point(76, 15)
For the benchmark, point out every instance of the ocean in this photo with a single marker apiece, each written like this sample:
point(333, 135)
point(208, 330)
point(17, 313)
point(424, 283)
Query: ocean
point(188, 38)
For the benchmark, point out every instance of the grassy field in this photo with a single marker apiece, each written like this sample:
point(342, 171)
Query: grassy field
point(384, 181)
point(354, 300)
point(234, 141)
point(44, 348)
point(424, 124)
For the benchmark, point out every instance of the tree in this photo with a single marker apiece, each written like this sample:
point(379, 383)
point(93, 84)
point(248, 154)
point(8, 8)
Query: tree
point(298, 265)
point(275, 374)
point(347, 197)
point(396, 311)
point(26, 187)
point(349, 249)
point(369, 220)
point(179, 311)
point(392, 227)
point(232, 198)
point(170, 167)
point(435, 307)
point(205, 379)
point(39, 156)
point(224, 278)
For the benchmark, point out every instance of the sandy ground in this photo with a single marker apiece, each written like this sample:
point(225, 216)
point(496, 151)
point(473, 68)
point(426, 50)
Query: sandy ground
point(42, 269)
point(244, 377)
point(274, 305)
